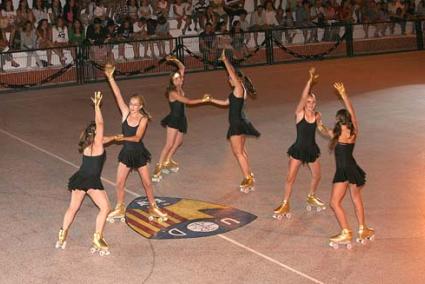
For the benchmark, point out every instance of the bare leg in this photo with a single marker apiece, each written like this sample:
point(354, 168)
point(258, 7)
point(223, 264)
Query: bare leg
point(122, 174)
point(178, 141)
point(77, 197)
point(293, 167)
point(315, 176)
point(100, 198)
point(172, 134)
point(356, 197)
point(147, 183)
point(338, 192)
point(237, 145)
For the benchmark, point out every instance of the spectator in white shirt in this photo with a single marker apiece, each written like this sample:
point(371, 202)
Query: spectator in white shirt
point(60, 38)
point(39, 11)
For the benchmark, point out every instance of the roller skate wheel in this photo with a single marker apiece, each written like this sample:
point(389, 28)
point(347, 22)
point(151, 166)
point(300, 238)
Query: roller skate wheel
point(101, 253)
point(372, 238)
point(151, 218)
point(111, 220)
point(57, 245)
point(333, 245)
point(252, 189)
point(122, 219)
point(349, 246)
point(288, 215)
point(92, 250)
point(162, 219)
point(308, 208)
point(318, 209)
point(165, 171)
point(175, 170)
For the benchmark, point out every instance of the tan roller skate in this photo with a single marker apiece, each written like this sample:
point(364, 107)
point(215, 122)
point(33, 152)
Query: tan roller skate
point(247, 184)
point(282, 211)
point(117, 213)
point(171, 166)
point(157, 172)
point(314, 202)
point(343, 238)
point(365, 233)
point(62, 235)
point(156, 213)
point(99, 245)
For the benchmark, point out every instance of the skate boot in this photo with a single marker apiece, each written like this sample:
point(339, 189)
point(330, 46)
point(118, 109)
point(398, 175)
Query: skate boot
point(282, 211)
point(314, 202)
point(61, 243)
point(157, 173)
point(251, 174)
point(156, 213)
point(117, 213)
point(365, 233)
point(171, 166)
point(343, 238)
point(99, 245)
point(247, 185)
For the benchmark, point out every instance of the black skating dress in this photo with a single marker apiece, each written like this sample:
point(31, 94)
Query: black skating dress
point(133, 154)
point(177, 118)
point(88, 176)
point(239, 124)
point(346, 166)
point(305, 148)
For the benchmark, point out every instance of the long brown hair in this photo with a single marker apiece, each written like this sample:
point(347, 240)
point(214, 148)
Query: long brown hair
point(142, 102)
point(247, 83)
point(343, 117)
point(87, 136)
point(171, 87)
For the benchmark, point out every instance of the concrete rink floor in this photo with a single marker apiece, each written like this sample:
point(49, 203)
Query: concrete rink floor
point(39, 133)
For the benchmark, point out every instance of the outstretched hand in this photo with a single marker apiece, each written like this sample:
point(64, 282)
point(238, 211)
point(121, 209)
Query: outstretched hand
point(97, 98)
point(109, 70)
point(119, 137)
point(171, 58)
point(313, 76)
point(339, 86)
point(206, 98)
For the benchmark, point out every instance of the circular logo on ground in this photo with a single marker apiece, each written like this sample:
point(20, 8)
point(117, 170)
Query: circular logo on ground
point(203, 227)
point(186, 218)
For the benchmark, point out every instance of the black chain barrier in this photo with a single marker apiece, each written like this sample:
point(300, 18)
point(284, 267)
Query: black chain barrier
point(44, 81)
point(311, 56)
point(136, 72)
point(216, 62)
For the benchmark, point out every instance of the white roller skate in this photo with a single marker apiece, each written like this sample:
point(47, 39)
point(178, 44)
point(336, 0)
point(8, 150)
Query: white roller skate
point(156, 214)
point(282, 211)
point(247, 184)
point(117, 213)
point(365, 233)
point(343, 238)
point(314, 202)
point(171, 166)
point(99, 245)
point(62, 235)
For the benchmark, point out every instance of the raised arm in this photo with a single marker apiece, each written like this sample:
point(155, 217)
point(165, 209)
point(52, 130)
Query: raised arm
point(348, 105)
point(233, 75)
point(109, 73)
point(311, 81)
point(98, 118)
point(173, 59)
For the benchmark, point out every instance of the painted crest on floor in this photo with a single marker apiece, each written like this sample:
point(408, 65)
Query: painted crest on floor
point(187, 218)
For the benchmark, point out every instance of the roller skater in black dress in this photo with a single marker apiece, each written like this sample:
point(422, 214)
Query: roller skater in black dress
point(240, 126)
point(348, 174)
point(175, 122)
point(133, 155)
point(87, 181)
point(304, 150)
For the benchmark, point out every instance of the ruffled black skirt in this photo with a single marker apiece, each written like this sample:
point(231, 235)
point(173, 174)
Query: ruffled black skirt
point(242, 127)
point(134, 158)
point(304, 154)
point(179, 123)
point(353, 174)
point(80, 181)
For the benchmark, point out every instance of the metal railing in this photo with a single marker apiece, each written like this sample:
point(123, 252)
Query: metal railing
point(84, 63)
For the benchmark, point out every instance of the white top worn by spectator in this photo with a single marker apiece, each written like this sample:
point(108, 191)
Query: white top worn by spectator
point(60, 35)
point(145, 11)
point(188, 8)
point(28, 41)
point(139, 27)
point(258, 20)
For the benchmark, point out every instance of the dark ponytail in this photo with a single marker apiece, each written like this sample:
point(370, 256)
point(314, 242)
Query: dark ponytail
point(247, 83)
point(87, 136)
point(343, 117)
